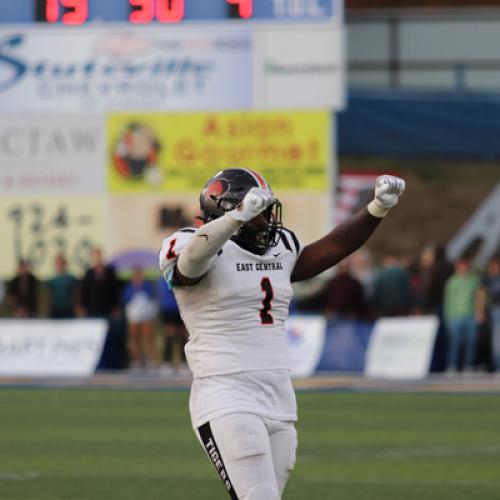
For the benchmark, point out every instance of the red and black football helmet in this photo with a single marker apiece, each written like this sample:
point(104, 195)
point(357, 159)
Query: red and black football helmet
point(225, 191)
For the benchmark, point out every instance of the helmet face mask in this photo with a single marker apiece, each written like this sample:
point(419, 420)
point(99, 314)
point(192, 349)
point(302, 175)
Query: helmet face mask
point(257, 236)
point(225, 191)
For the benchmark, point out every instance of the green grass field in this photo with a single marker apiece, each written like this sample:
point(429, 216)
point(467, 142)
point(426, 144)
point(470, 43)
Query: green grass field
point(90, 444)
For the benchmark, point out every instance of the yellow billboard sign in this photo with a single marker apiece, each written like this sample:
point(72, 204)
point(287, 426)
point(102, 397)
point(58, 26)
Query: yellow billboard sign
point(179, 152)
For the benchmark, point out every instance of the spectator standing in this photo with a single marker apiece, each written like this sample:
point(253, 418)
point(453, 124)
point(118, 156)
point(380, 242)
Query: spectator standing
point(100, 298)
point(435, 269)
point(343, 296)
point(2, 294)
point(140, 312)
point(362, 270)
point(416, 286)
point(460, 308)
point(100, 295)
point(175, 334)
point(439, 269)
point(425, 263)
point(62, 291)
point(491, 290)
point(391, 288)
point(23, 292)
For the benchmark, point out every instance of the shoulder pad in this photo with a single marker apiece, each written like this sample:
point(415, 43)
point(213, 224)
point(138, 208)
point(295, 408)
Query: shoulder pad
point(171, 247)
point(290, 241)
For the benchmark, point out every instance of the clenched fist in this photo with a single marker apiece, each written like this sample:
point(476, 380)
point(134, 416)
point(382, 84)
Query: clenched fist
point(388, 189)
point(254, 202)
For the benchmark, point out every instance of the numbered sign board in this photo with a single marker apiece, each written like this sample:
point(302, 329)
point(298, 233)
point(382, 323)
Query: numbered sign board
point(39, 228)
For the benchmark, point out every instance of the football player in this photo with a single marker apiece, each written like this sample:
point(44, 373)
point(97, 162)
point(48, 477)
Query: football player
point(232, 278)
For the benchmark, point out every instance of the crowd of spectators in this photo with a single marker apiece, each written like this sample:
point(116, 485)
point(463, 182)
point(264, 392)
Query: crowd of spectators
point(146, 329)
point(465, 299)
point(128, 304)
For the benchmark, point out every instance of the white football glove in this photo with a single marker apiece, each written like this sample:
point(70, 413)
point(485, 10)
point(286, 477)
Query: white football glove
point(388, 189)
point(254, 202)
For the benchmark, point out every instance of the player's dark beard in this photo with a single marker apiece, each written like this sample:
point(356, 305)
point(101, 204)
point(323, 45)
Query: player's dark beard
point(256, 239)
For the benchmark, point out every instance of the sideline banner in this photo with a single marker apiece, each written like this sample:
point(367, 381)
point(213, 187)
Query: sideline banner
point(401, 347)
point(179, 152)
point(306, 339)
point(38, 228)
point(41, 153)
point(50, 348)
point(345, 346)
point(94, 69)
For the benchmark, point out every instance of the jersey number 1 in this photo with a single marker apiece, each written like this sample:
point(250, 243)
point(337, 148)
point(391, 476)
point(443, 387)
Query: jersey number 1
point(171, 254)
point(266, 287)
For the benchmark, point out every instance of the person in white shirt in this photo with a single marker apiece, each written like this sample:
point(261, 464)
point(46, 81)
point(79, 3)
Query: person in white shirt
point(232, 278)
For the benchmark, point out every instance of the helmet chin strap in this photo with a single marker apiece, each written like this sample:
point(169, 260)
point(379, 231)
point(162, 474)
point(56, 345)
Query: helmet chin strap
point(255, 239)
point(250, 246)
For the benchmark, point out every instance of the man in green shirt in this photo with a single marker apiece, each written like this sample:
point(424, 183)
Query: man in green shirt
point(62, 291)
point(460, 306)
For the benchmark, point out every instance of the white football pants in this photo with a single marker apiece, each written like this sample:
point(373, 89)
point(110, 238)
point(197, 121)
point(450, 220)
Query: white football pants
point(252, 455)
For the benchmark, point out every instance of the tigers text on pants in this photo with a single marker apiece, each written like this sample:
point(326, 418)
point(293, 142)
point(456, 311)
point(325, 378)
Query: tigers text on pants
point(252, 455)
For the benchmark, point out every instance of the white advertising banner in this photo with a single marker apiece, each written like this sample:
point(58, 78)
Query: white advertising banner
point(43, 153)
point(300, 66)
point(50, 348)
point(401, 348)
point(89, 69)
point(202, 67)
point(306, 339)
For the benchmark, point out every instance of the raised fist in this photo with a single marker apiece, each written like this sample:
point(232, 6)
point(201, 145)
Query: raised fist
point(254, 202)
point(388, 189)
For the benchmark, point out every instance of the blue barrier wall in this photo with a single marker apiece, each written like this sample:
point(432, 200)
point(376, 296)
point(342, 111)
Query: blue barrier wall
point(346, 343)
point(420, 124)
point(345, 346)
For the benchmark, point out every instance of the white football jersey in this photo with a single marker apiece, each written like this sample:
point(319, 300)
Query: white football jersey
point(235, 316)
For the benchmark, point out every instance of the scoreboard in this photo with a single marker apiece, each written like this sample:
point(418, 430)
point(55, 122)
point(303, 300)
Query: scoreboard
point(78, 12)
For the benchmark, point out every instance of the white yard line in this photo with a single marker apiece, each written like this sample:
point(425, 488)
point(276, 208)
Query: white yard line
point(428, 452)
point(19, 476)
point(403, 482)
